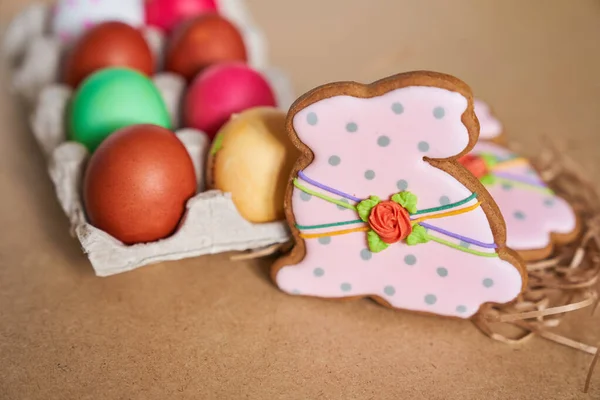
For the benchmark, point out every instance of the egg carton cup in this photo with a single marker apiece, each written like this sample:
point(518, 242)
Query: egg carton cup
point(35, 53)
point(211, 223)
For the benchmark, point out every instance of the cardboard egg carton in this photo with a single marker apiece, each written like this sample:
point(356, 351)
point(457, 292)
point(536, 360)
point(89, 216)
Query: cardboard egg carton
point(36, 53)
point(211, 223)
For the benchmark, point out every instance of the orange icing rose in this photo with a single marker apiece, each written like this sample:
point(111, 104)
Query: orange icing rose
point(475, 165)
point(390, 221)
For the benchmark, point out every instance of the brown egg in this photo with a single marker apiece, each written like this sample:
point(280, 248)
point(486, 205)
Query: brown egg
point(137, 184)
point(201, 42)
point(110, 44)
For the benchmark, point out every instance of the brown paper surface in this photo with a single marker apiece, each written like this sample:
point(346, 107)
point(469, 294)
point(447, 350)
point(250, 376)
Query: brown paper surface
point(211, 328)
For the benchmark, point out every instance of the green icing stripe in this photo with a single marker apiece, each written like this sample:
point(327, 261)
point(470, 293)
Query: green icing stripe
point(463, 249)
point(217, 144)
point(524, 185)
point(447, 206)
point(356, 221)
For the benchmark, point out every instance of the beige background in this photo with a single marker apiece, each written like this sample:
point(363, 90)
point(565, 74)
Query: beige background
point(209, 328)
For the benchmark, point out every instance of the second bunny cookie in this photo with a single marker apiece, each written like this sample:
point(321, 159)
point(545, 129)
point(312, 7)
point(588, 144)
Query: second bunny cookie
point(536, 218)
point(380, 207)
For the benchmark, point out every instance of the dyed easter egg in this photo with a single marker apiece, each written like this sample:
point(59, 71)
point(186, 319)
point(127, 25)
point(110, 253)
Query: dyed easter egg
point(111, 99)
point(252, 158)
point(109, 44)
point(206, 40)
point(223, 90)
point(137, 184)
point(166, 14)
point(71, 18)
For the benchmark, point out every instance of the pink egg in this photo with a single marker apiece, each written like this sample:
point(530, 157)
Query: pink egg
point(223, 90)
point(166, 14)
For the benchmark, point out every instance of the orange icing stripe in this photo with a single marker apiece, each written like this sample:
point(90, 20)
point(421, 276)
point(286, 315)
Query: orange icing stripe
point(334, 233)
point(447, 213)
point(515, 162)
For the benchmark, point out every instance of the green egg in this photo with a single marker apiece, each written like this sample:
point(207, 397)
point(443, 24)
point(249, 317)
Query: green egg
point(111, 99)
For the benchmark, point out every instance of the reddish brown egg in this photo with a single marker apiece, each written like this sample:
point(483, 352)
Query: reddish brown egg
point(110, 44)
point(203, 41)
point(137, 184)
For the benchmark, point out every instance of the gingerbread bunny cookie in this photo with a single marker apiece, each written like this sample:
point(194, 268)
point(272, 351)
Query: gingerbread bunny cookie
point(380, 207)
point(536, 218)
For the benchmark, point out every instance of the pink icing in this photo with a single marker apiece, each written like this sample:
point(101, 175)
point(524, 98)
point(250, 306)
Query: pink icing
point(490, 126)
point(373, 147)
point(531, 216)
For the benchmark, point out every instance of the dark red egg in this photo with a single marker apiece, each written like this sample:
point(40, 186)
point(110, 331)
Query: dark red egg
point(137, 184)
point(201, 42)
point(109, 44)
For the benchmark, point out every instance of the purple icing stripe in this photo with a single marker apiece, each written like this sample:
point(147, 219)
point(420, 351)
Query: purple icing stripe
point(459, 237)
point(520, 178)
point(327, 188)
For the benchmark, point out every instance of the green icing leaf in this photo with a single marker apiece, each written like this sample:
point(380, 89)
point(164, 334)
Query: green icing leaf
point(407, 200)
point(489, 159)
point(418, 236)
point(375, 243)
point(364, 207)
point(488, 179)
point(217, 144)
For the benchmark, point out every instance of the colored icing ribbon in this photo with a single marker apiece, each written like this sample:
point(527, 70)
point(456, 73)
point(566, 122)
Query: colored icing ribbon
point(511, 163)
point(448, 213)
point(328, 188)
point(459, 237)
point(356, 199)
point(322, 196)
point(499, 174)
point(365, 228)
point(430, 237)
point(447, 206)
point(518, 178)
point(330, 225)
point(414, 221)
point(335, 233)
point(523, 185)
point(461, 248)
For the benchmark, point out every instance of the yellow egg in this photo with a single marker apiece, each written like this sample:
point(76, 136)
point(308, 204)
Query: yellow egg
point(252, 158)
